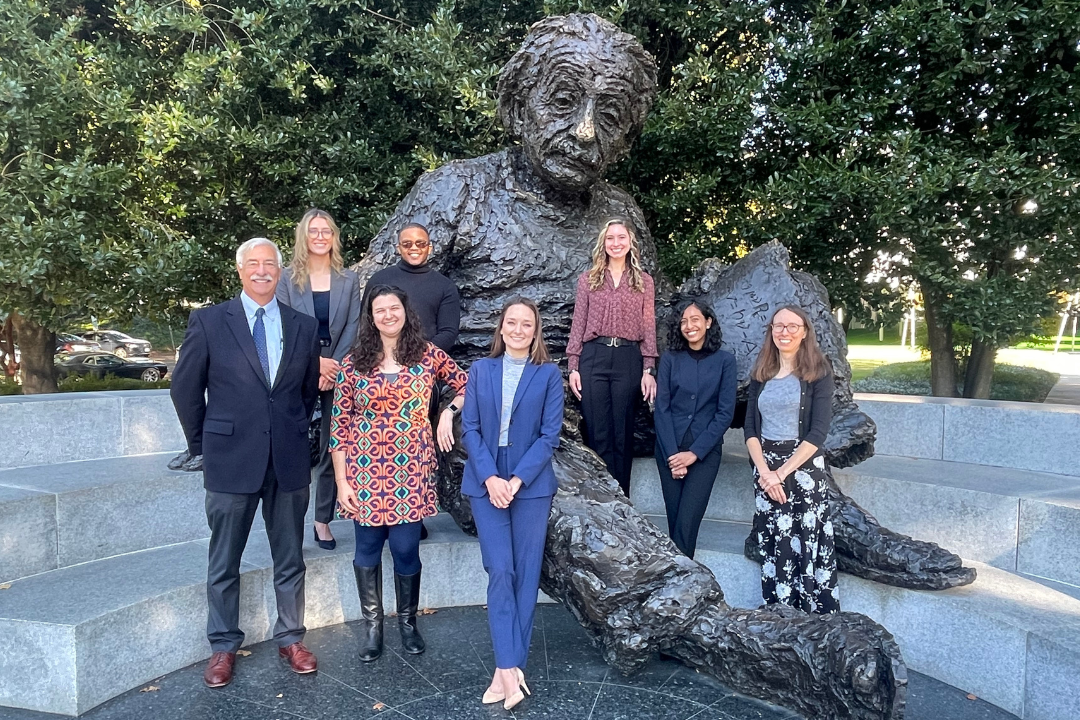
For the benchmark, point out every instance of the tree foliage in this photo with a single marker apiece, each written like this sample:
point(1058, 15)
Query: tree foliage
point(141, 140)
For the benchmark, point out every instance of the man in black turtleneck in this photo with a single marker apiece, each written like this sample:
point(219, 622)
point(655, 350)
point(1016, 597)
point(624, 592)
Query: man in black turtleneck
point(433, 296)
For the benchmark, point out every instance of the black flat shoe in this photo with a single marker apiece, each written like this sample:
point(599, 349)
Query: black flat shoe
point(324, 544)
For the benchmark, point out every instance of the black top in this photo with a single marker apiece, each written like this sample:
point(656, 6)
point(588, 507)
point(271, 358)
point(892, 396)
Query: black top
point(815, 410)
point(695, 400)
point(433, 295)
point(321, 301)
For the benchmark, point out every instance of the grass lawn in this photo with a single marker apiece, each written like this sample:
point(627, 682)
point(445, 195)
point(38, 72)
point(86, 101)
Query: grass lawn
point(869, 336)
point(1044, 342)
point(861, 368)
point(1011, 382)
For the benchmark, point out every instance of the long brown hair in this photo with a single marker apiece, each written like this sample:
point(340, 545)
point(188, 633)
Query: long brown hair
point(367, 351)
point(600, 258)
point(538, 352)
point(810, 363)
point(298, 266)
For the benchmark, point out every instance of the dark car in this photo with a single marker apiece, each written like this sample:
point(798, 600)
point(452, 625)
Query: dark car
point(68, 343)
point(118, 343)
point(101, 364)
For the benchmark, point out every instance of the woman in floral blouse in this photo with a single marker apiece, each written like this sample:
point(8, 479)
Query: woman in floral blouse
point(384, 454)
point(789, 408)
point(612, 347)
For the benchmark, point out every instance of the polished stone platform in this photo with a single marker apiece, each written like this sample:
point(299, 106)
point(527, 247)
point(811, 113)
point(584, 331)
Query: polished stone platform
point(568, 678)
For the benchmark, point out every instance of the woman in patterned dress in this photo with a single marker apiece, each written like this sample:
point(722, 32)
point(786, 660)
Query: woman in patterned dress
point(787, 420)
point(611, 351)
point(384, 454)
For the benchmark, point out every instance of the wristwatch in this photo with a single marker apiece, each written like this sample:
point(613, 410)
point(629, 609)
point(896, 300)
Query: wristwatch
point(651, 371)
point(453, 408)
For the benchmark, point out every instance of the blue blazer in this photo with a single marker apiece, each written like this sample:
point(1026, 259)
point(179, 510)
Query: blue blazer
point(695, 395)
point(230, 415)
point(535, 423)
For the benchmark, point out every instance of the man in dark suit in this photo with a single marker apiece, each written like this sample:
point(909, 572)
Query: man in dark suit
point(244, 388)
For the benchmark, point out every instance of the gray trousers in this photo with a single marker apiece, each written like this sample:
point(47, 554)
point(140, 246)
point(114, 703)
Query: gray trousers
point(322, 471)
point(230, 516)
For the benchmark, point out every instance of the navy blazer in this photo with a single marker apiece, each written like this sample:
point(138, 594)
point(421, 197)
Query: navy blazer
point(535, 423)
point(230, 415)
point(694, 395)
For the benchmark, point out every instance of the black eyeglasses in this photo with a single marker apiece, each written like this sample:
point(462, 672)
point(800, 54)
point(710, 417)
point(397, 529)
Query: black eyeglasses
point(418, 244)
point(792, 328)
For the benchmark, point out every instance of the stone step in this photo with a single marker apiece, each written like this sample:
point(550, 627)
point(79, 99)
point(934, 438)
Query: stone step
point(1010, 641)
point(79, 635)
point(1021, 521)
point(56, 516)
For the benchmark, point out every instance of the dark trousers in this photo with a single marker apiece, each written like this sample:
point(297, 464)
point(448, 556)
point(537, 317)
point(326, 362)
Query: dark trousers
point(322, 472)
point(512, 547)
point(610, 386)
point(230, 516)
point(404, 546)
point(685, 500)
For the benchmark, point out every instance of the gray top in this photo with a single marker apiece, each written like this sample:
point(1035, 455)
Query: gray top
point(511, 376)
point(778, 404)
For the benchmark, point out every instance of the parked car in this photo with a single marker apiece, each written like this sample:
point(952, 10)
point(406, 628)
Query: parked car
point(118, 343)
point(100, 364)
point(68, 343)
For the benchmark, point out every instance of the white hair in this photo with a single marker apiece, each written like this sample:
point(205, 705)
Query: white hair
point(243, 250)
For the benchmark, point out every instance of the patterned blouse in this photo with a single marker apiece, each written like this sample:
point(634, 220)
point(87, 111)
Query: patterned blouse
point(610, 311)
point(382, 425)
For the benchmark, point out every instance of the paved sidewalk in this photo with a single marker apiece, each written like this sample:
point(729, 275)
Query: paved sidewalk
point(1066, 392)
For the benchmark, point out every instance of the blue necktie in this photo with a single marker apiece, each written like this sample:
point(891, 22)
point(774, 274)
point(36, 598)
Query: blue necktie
point(259, 335)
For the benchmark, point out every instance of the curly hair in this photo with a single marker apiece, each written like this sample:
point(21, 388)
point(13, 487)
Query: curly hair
point(713, 336)
point(600, 258)
point(518, 76)
point(367, 351)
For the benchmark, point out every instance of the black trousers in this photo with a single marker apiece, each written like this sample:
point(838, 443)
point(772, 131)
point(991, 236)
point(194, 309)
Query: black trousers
point(686, 500)
point(610, 385)
point(322, 472)
point(230, 516)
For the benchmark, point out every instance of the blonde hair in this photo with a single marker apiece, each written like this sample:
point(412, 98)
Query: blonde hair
point(298, 266)
point(600, 258)
point(810, 363)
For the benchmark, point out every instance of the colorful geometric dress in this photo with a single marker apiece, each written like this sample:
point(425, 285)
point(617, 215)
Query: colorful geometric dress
point(382, 425)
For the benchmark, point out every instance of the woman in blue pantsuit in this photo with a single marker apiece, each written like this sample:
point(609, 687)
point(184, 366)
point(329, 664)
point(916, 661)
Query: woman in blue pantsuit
point(510, 427)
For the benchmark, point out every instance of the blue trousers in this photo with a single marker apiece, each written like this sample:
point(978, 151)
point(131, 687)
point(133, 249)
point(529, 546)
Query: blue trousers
point(512, 547)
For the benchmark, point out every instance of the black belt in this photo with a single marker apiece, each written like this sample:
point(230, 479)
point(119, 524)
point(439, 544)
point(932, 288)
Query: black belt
point(614, 341)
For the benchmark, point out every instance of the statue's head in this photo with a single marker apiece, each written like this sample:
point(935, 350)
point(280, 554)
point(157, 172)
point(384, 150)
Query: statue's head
point(576, 96)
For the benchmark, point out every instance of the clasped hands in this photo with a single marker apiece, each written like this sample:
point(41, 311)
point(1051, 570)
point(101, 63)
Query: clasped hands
point(501, 492)
point(772, 482)
point(328, 371)
point(680, 462)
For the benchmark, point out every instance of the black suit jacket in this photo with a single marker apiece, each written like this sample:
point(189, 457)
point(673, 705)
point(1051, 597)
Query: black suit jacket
point(230, 415)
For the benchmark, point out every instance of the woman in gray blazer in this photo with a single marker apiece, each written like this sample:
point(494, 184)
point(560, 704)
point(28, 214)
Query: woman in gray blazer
point(316, 283)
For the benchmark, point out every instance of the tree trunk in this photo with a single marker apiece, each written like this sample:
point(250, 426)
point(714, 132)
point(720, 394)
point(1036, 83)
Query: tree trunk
point(37, 346)
point(942, 357)
point(846, 324)
point(7, 348)
point(980, 370)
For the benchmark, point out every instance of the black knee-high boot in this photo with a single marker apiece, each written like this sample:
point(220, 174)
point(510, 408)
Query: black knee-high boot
point(408, 599)
point(369, 587)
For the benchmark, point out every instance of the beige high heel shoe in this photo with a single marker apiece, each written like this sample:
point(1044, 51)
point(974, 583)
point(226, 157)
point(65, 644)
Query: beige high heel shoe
point(513, 700)
point(491, 697)
point(521, 681)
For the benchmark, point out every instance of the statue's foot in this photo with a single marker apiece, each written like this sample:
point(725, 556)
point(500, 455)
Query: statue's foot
point(825, 666)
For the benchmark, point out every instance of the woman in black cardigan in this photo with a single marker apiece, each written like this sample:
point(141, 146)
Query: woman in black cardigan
point(787, 420)
point(695, 399)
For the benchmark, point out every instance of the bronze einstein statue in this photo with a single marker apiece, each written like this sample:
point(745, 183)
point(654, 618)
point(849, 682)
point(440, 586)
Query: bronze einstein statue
point(522, 221)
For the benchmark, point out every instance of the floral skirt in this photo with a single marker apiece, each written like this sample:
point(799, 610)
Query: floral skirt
point(796, 537)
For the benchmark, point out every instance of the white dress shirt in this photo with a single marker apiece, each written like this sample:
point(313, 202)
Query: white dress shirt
point(275, 338)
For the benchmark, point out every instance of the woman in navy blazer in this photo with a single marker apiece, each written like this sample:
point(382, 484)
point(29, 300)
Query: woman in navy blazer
point(510, 428)
point(695, 400)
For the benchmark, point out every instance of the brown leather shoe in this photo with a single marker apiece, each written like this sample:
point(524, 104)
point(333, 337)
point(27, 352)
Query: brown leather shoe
point(219, 670)
point(301, 660)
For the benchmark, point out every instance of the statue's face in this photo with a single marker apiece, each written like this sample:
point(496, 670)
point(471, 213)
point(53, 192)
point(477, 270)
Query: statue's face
point(577, 117)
